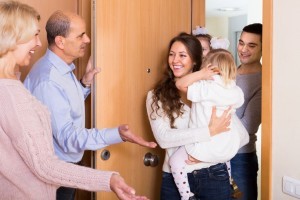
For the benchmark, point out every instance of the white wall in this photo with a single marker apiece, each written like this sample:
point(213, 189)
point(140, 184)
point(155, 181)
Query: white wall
point(254, 11)
point(285, 94)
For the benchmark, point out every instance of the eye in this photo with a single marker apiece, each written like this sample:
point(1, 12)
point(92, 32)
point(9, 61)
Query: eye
point(81, 36)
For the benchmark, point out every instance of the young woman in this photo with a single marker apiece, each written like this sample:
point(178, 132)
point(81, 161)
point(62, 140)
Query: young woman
point(221, 91)
point(169, 113)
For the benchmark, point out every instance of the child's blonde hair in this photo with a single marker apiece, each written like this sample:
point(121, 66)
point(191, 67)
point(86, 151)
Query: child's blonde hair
point(224, 63)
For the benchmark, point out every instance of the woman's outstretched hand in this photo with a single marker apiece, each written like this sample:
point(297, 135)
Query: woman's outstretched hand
point(122, 190)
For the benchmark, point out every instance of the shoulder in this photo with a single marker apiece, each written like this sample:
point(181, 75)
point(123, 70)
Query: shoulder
point(14, 92)
point(150, 94)
point(249, 80)
point(149, 99)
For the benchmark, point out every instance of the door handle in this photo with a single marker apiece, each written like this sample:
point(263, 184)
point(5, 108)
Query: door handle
point(150, 160)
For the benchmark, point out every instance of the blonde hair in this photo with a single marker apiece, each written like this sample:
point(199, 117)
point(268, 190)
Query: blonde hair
point(224, 61)
point(18, 24)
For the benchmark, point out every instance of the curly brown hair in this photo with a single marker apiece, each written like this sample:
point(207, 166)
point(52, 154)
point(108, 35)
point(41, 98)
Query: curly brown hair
point(166, 91)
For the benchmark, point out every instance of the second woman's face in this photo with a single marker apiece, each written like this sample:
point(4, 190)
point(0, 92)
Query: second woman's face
point(24, 51)
point(180, 61)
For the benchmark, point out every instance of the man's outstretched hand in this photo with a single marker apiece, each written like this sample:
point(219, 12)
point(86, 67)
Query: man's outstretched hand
point(127, 135)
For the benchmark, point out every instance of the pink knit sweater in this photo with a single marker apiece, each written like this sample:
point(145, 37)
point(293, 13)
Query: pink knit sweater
point(29, 168)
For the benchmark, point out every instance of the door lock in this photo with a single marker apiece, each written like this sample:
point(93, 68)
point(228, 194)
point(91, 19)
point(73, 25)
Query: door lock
point(150, 160)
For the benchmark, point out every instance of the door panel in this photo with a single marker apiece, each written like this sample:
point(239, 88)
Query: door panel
point(131, 39)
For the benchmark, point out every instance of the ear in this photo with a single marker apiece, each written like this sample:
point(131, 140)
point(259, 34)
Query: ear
point(60, 41)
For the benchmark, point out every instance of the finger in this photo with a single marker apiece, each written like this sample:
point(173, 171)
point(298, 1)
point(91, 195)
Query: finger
point(213, 112)
point(98, 69)
point(128, 190)
point(124, 127)
point(190, 162)
point(140, 141)
point(152, 144)
point(94, 71)
point(125, 192)
point(211, 67)
point(139, 198)
point(208, 65)
point(89, 64)
point(228, 110)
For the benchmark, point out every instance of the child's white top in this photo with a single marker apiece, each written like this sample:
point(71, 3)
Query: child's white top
point(205, 94)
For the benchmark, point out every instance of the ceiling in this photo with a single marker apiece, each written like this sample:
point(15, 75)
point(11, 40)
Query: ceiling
point(212, 7)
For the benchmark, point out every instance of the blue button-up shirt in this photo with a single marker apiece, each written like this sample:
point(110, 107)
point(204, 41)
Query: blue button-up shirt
point(52, 81)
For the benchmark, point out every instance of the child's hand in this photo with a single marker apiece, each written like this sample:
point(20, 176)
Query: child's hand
point(209, 71)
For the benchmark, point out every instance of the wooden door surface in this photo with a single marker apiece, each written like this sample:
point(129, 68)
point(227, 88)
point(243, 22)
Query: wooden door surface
point(130, 40)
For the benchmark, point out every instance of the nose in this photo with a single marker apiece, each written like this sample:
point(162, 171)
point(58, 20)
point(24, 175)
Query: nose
point(38, 42)
point(86, 39)
point(175, 58)
point(244, 48)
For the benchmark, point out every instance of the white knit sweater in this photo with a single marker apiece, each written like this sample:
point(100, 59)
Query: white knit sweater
point(170, 138)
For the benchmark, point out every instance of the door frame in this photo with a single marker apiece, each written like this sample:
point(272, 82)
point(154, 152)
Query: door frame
point(266, 136)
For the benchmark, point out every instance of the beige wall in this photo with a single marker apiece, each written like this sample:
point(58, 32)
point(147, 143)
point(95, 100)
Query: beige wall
point(217, 26)
point(286, 94)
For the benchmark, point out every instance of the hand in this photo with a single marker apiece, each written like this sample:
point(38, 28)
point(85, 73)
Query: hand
point(209, 71)
point(219, 124)
point(127, 135)
point(90, 73)
point(191, 160)
point(122, 190)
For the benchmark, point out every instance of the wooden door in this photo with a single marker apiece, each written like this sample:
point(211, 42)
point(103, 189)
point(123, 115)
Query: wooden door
point(130, 40)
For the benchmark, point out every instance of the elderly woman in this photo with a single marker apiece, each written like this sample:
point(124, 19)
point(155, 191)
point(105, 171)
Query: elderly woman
point(29, 168)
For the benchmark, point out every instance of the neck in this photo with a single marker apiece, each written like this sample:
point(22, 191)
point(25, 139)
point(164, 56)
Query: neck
point(59, 52)
point(8, 74)
point(249, 68)
point(183, 97)
point(5, 76)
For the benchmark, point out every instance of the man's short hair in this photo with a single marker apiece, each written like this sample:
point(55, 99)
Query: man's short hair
point(255, 28)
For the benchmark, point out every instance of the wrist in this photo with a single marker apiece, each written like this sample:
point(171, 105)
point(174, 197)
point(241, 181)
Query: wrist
point(212, 131)
point(85, 85)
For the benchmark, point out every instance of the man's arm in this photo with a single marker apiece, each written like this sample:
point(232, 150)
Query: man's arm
point(68, 135)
